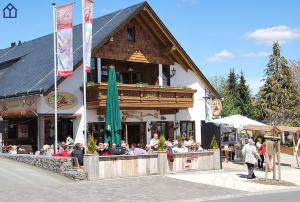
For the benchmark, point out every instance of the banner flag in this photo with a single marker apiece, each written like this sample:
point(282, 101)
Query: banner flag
point(64, 27)
point(87, 39)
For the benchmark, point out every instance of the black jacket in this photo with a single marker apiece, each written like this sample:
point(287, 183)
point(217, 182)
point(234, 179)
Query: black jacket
point(78, 153)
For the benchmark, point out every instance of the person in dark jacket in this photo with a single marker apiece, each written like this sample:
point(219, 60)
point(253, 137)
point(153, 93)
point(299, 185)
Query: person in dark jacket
point(78, 153)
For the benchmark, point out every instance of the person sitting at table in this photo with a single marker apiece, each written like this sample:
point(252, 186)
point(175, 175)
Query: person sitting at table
point(61, 146)
point(103, 149)
point(188, 142)
point(154, 142)
point(137, 150)
point(179, 148)
point(112, 150)
point(199, 147)
point(64, 153)
point(169, 143)
point(123, 150)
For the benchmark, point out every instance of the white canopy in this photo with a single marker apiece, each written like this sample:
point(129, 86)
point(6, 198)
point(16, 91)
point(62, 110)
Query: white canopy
point(237, 121)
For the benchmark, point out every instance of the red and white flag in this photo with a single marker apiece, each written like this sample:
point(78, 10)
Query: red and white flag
point(64, 27)
point(87, 39)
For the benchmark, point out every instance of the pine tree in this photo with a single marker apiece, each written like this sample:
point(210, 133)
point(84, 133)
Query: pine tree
point(278, 99)
point(219, 83)
point(244, 97)
point(231, 101)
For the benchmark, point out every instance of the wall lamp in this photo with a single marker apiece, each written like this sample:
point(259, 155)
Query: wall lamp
point(173, 72)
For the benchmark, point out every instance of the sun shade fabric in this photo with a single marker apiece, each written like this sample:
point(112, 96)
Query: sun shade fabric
point(113, 124)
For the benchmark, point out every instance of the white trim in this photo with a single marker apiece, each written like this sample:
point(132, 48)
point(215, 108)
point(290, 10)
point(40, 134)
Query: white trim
point(160, 75)
point(99, 68)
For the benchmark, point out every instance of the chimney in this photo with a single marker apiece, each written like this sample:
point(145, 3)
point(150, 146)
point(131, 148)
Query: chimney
point(13, 44)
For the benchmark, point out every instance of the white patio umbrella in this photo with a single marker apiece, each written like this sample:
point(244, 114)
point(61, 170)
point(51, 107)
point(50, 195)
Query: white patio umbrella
point(237, 121)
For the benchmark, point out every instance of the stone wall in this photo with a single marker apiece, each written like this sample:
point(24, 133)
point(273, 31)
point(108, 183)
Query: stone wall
point(53, 164)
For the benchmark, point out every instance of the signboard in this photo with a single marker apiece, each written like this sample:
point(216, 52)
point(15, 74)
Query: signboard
point(65, 100)
point(64, 18)
point(23, 131)
point(18, 107)
point(216, 107)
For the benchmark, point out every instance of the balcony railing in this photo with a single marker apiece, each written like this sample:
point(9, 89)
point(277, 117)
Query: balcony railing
point(142, 97)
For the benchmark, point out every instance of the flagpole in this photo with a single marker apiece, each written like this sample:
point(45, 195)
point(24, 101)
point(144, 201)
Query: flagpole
point(84, 79)
point(55, 77)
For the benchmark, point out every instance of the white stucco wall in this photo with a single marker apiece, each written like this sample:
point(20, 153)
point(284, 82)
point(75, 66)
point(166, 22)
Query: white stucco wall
point(182, 78)
point(71, 85)
point(197, 113)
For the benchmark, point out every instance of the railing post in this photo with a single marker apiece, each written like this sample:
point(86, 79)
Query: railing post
point(141, 96)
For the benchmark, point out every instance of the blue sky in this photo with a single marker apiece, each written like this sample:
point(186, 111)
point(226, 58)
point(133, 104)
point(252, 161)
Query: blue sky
point(218, 35)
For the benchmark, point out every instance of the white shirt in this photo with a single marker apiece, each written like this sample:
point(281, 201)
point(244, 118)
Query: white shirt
point(153, 142)
point(258, 145)
point(250, 154)
point(180, 149)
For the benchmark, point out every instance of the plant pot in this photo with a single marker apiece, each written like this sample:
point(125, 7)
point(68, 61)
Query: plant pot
point(162, 162)
point(91, 166)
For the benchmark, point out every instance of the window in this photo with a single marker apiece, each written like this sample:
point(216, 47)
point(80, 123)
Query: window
point(166, 75)
point(131, 34)
point(93, 75)
point(165, 128)
point(132, 77)
point(187, 129)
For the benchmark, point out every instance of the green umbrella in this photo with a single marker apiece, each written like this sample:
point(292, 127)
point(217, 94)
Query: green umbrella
point(113, 125)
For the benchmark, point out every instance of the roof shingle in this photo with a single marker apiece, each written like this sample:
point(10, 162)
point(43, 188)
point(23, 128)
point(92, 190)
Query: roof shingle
point(32, 68)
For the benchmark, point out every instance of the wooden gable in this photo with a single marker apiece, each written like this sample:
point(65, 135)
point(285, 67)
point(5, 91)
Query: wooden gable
point(146, 48)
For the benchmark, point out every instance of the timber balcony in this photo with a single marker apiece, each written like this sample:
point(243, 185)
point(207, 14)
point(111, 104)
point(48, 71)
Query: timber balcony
point(133, 96)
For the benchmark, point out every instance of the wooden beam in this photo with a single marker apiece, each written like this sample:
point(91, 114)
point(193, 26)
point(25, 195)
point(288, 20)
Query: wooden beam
point(152, 27)
point(179, 60)
point(168, 50)
point(145, 26)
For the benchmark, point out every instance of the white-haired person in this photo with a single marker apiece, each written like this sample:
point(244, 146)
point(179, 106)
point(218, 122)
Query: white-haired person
point(251, 156)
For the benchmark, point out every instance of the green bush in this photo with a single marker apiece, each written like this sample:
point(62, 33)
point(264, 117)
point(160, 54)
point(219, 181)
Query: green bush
point(91, 145)
point(162, 143)
point(179, 139)
point(213, 143)
point(90, 83)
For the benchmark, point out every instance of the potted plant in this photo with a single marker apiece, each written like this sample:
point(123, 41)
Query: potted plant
point(91, 145)
point(162, 143)
point(213, 143)
point(91, 160)
point(162, 160)
point(180, 139)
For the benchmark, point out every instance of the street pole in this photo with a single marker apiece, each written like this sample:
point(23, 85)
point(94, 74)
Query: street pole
point(55, 77)
point(84, 79)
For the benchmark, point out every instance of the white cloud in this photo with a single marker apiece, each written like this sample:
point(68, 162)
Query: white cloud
point(255, 54)
point(268, 35)
point(221, 56)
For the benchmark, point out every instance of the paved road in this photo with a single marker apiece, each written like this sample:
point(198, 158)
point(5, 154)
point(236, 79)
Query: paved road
point(293, 196)
point(21, 182)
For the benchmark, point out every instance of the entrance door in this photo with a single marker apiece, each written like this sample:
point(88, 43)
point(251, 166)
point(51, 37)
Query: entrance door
point(136, 133)
point(133, 134)
point(64, 130)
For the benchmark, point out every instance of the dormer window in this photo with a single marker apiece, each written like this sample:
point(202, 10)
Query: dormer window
point(131, 34)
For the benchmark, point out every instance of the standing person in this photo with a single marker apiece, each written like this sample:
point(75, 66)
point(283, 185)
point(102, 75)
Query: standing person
point(154, 142)
point(78, 153)
point(261, 149)
point(251, 156)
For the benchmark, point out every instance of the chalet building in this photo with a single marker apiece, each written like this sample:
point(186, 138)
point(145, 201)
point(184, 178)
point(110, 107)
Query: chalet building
point(160, 88)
